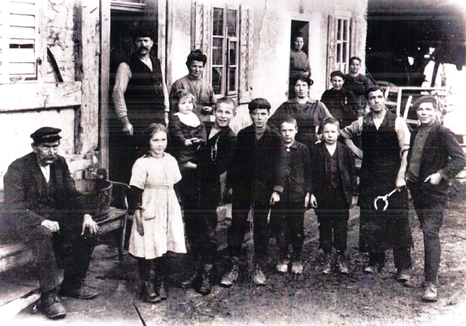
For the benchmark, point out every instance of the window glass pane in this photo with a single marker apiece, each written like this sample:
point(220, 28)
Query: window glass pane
point(217, 51)
point(217, 80)
point(218, 21)
point(344, 52)
point(345, 30)
point(339, 30)
point(339, 52)
point(231, 22)
point(232, 80)
point(232, 55)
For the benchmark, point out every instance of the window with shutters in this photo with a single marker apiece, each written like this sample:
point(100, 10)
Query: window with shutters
point(18, 40)
point(342, 42)
point(223, 33)
point(224, 52)
point(339, 45)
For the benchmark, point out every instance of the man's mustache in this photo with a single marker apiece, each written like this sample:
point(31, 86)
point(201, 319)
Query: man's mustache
point(142, 47)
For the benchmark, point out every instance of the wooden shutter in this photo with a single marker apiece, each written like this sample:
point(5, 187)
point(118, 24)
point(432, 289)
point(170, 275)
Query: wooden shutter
point(202, 33)
point(18, 40)
point(354, 39)
point(245, 56)
point(331, 49)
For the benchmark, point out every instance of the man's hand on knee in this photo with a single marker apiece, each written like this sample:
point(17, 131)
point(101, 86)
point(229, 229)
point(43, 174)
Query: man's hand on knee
point(51, 225)
point(90, 224)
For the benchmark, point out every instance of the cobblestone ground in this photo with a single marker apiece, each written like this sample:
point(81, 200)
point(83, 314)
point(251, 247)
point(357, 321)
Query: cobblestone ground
point(310, 299)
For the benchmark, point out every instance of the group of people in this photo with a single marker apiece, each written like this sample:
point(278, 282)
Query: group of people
point(301, 156)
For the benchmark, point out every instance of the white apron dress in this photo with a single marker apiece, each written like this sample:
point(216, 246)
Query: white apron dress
point(161, 212)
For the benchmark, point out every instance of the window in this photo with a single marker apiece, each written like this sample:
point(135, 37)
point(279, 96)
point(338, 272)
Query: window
point(339, 45)
point(342, 44)
point(18, 40)
point(224, 53)
point(224, 34)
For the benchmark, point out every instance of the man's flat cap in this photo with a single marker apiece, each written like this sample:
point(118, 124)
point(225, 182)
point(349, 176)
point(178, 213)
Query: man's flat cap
point(259, 103)
point(46, 135)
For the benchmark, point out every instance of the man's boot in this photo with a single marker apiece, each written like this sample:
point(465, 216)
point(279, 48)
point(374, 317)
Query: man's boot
point(77, 289)
point(51, 305)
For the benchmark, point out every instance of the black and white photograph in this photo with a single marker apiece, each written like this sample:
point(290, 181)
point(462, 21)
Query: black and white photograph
point(233, 162)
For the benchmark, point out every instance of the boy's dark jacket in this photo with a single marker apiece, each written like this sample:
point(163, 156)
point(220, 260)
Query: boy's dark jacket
point(319, 170)
point(251, 174)
point(215, 159)
point(441, 153)
point(293, 173)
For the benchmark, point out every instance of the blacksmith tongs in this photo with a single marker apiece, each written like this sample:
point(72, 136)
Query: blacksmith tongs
point(384, 198)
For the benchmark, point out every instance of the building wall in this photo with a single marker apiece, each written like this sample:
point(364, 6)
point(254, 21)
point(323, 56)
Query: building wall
point(271, 39)
point(70, 29)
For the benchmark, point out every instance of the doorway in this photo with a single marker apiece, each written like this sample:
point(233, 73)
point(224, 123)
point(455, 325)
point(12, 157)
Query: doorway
point(299, 60)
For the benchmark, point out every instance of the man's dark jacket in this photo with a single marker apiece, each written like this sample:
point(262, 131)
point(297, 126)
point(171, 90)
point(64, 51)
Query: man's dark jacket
point(293, 171)
point(319, 170)
point(441, 153)
point(251, 173)
point(29, 200)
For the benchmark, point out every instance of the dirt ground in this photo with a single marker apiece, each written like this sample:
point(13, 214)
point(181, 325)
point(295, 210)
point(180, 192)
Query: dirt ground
point(310, 299)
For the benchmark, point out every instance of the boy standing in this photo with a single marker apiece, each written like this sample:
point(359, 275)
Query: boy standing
point(214, 160)
point(251, 179)
point(340, 101)
point(333, 185)
point(434, 158)
point(291, 196)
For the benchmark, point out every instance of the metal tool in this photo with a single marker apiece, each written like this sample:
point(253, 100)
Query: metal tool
point(384, 198)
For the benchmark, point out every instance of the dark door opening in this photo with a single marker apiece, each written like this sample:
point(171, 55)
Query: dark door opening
point(299, 59)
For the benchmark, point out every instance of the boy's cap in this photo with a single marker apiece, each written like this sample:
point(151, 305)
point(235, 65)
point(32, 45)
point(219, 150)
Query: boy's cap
point(259, 103)
point(337, 73)
point(424, 99)
point(46, 135)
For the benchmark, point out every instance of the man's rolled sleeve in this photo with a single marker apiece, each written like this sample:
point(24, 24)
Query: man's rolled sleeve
point(122, 78)
point(403, 134)
point(354, 129)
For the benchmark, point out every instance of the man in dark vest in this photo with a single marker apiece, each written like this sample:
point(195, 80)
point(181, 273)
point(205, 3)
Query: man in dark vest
point(385, 144)
point(43, 210)
point(140, 98)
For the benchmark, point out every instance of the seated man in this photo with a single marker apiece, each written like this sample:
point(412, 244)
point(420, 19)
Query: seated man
point(40, 198)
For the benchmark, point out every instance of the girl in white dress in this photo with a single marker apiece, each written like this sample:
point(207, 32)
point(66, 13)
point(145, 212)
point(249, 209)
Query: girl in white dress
point(158, 225)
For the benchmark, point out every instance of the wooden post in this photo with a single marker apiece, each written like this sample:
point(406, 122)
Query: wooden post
point(104, 80)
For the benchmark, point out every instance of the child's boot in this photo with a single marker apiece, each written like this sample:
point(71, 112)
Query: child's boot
point(206, 286)
point(327, 263)
point(147, 292)
point(342, 268)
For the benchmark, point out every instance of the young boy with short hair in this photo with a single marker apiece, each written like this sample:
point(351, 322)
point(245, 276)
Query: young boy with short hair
point(333, 186)
point(434, 158)
point(340, 101)
point(251, 179)
point(214, 159)
point(291, 196)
